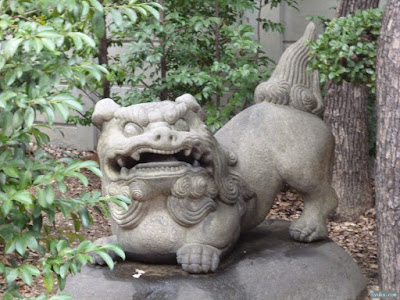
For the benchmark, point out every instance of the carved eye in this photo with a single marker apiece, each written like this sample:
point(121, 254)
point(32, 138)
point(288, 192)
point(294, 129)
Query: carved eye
point(131, 129)
point(181, 125)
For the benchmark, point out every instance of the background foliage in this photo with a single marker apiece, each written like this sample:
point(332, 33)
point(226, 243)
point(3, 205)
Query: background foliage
point(202, 48)
point(347, 49)
point(45, 51)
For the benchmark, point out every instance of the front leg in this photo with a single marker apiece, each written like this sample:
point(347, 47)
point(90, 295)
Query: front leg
point(198, 258)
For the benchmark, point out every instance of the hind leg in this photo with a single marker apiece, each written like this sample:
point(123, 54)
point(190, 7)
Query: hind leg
point(319, 202)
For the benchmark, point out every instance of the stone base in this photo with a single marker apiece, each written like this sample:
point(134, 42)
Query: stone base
point(265, 264)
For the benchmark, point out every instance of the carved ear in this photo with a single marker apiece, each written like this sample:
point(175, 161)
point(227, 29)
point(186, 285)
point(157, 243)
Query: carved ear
point(192, 104)
point(104, 111)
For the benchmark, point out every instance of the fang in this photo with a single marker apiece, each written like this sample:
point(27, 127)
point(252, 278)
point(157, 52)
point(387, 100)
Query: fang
point(120, 162)
point(136, 156)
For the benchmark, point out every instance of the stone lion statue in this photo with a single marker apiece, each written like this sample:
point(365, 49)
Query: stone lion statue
point(193, 192)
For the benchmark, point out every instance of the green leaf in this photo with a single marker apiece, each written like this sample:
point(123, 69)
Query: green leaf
point(49, 114)
point(62, 109)
point(49, 34)
point(96, 171)
point(11, 171)
point(117, 17)
point(87, 39)
point(131, 15)
point(25, 276)
point(73, 104)
point(24, 197)
point(82, 178)
point(49, 281)
point(99, 25)
point(29, 117)
point(11, 47)
point(2, 62)
point(116, 248)
point(49, 44)
point(85, 218)
point(97, 5)
point(153, 11)
point(6, 206)
point(142, 11)
point(41, 196)
point(5, 96)
point(11, 276)
point(10, 78)
point(107, 259)
point(77, 42)
point(18, 118)
point(64, 269)
point(76, 221)
point(49, 194)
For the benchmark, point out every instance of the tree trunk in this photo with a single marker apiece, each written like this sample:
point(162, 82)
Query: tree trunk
point(388, 150)
point(346, 115)
point(346, 7)
point(103, 60)
point(163, 62)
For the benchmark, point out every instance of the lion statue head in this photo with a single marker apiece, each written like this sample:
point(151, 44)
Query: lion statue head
point(165, 149)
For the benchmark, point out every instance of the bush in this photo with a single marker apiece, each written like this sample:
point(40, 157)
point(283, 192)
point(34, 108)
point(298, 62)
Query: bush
point(347, 49)
point(44, 50)
point(200, 47)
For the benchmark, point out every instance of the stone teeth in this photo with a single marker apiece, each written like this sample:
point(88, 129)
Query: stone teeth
point(187, 152)
point(120, 162)
point(197, 155)
point(196, 164)
point(124, 171)
point(136, 156)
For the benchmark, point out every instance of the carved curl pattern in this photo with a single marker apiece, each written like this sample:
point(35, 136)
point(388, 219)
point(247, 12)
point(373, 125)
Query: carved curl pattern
point(140, 190)
point(128, 219)
point(302, 98)
point(187, 212)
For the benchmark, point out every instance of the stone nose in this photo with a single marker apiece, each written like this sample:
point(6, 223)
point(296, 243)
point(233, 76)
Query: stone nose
point(164, 135)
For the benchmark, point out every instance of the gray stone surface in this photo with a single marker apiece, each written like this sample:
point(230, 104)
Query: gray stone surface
point(291, 83)
point(265, 264)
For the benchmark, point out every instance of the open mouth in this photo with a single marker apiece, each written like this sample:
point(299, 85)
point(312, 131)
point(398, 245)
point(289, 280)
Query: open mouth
point(148, 161)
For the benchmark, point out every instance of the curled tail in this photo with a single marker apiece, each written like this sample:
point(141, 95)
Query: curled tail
point(290, 83)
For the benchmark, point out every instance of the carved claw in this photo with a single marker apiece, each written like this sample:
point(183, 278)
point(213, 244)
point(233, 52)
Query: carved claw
point(197, 258)
point(305, 231)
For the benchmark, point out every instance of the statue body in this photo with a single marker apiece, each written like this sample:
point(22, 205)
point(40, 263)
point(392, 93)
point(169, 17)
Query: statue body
point(193, 193)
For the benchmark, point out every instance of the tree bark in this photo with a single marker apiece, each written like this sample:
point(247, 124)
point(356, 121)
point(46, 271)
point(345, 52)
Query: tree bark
point(103, 59)
point(388, 150)
point(346, 7)
point(163, 62)
point(346, 115)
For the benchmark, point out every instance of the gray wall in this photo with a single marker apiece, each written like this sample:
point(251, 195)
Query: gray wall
point(85, 138)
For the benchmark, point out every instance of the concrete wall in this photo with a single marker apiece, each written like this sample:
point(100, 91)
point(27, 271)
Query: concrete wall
point(85, 138)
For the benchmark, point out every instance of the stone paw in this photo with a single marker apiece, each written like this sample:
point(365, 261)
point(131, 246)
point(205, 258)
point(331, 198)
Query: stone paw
point(303, 230)
point(97, 259)
point(197, 258)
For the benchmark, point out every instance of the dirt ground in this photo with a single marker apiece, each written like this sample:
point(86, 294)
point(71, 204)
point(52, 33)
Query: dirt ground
point(357, 238)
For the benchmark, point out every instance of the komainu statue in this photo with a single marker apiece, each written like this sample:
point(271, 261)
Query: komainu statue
point(193, 192)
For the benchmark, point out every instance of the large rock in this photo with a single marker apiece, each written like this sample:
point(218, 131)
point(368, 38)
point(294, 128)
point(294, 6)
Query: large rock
point(265, 264)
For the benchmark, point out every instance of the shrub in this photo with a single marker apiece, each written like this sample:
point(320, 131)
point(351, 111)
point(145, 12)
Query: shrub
point(347, 49)
point(44, 53)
